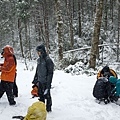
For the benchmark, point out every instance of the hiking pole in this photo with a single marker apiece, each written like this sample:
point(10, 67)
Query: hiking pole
point(18, 117)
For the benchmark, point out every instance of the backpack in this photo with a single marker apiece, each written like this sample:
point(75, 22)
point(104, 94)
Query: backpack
point(102, 89)
point(48, 60)
point(99, 90)
point(37, 111)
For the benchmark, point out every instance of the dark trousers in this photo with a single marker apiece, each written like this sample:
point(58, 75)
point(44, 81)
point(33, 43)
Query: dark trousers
point(8, 88)
point(15, 89)
point(41, 89)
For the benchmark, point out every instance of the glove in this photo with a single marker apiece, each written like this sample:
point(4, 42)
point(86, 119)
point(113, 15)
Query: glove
point(34, 82)
point(46, 92)
point(34, 86)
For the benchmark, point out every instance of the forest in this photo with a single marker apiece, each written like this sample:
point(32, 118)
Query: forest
point(72, 30)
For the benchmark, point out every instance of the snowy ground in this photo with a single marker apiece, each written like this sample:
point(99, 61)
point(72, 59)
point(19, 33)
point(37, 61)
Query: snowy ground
point(72, 98)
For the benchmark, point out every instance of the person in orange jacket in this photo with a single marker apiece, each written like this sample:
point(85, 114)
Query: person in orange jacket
point(8, 72)
point(15, 87)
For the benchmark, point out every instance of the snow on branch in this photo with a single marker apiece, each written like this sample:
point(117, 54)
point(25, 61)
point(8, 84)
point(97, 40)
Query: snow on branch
point(84, 48)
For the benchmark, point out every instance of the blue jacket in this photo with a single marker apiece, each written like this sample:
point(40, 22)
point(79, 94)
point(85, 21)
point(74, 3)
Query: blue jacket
point(116, 82)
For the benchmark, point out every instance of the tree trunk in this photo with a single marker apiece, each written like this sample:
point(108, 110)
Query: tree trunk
point(96, 33)
point(118, 41)
point(111, 9)
point(46, 25)
point(39, 23)
point(70, 19)
point(71, 24)
point(59, 30)
point(29, 44)
point(105, 14)
point(20, 36)
point(79, 18)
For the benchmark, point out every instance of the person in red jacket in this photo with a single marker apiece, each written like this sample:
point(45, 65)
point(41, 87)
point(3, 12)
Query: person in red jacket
point(8, 72)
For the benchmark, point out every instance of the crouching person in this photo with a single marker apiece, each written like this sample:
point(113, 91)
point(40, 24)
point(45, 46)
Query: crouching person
point(8, 70)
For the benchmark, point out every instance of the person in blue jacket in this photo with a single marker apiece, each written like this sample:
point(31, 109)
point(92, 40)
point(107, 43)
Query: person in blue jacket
point(116, 82)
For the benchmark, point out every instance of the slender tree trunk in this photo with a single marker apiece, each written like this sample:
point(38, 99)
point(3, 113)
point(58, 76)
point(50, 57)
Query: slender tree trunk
point(79, 18)
point(94, 8)
point(41, 31)
point(111, 9)
point(59, 30)
point(29, 44)
point(46, 25)
point(70, 19)
point(106, 9)
point(118, 41)
point(20, 37)
point(71, 24)
point(26, 33)
point(82, 9)
point(96, 33)
point(39, 23)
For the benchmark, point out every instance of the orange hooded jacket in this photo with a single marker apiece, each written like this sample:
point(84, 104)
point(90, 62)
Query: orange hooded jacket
point(8, 68)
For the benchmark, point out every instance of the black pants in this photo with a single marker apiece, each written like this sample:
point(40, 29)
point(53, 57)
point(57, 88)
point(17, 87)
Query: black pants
point(8, 88)
point(15, 89)
point(42, 98)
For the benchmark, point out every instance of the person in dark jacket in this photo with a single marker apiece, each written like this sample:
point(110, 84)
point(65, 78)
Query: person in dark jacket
point(43, 76)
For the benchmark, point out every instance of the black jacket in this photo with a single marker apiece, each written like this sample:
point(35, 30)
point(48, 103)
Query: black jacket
point(44, 70)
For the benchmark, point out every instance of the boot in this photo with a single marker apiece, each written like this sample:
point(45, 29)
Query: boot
point(48, 109)
point(12, 103)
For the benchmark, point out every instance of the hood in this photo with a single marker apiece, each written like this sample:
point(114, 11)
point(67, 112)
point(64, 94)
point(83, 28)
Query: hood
point(7, 50)
point(41, 48)
point(105, 69)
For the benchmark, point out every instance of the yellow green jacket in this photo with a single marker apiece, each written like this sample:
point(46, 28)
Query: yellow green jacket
point(37, 111)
